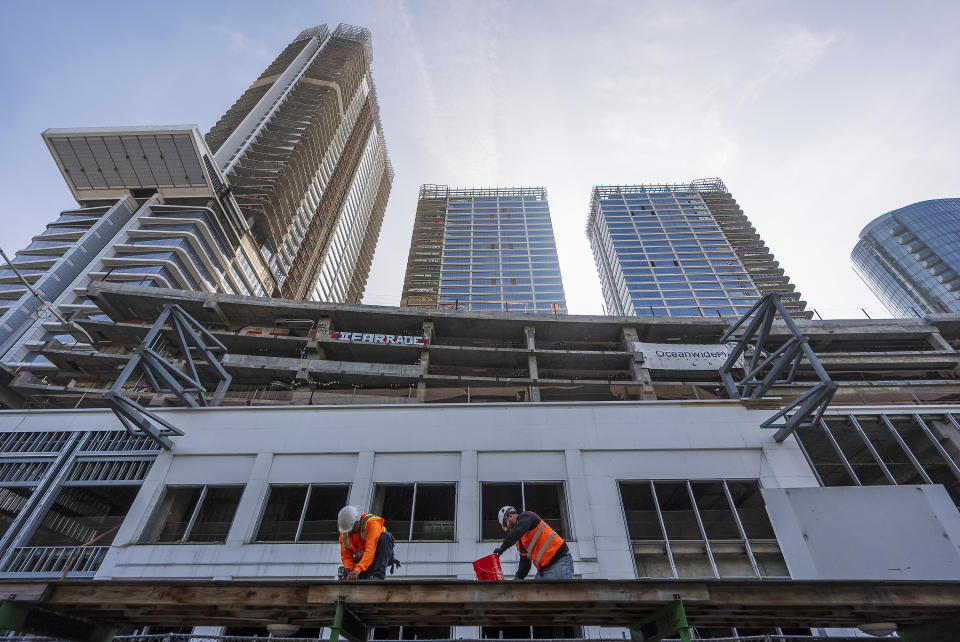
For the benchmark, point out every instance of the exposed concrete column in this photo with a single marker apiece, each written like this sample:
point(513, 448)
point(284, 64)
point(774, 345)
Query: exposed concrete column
point(303, 395)
point(212, 304)
point(425, 362)
point(640, 374)
point(528, 332)
point(323, 328)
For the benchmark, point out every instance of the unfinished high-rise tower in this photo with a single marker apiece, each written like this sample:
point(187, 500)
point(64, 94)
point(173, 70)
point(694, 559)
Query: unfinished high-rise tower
point(681, 250)
point(483, 249)
point(303, 151)
point(284, 197)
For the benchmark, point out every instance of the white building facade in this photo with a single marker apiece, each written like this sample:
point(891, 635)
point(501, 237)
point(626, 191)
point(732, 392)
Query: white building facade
point(638, 489)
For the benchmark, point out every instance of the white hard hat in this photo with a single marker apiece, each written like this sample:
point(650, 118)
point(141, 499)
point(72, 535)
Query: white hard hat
point(347, 517)
point(505, 512)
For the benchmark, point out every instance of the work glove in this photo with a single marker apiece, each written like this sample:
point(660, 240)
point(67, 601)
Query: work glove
point(497, 551)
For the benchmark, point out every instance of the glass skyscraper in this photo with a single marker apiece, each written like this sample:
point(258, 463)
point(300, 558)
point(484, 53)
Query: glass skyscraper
point(484, 249)
point(681, 250)
point(910, 258)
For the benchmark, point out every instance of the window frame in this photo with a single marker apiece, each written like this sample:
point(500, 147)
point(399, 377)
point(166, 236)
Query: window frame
point(564, 505)
point(745, 540)
point(191, 522)
point(303, 512)
point(413, 508)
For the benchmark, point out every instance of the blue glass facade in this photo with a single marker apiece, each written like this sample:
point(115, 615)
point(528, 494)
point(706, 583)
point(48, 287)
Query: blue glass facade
point(484, 249)
point(681, 250)
point(910, 258)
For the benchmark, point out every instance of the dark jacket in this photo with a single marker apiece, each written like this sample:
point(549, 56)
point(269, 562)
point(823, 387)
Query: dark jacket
point(526, 521)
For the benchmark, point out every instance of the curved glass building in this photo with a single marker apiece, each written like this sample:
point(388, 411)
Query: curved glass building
point(910, 258)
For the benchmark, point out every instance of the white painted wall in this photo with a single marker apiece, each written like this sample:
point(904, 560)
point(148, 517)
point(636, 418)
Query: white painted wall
point(588, 446)
point(869, 532)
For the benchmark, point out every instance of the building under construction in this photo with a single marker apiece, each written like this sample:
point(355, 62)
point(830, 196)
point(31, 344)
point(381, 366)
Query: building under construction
point(681, 250)
point(304, 152)
point(284, 196)
point(483, 249)
point(712, 478)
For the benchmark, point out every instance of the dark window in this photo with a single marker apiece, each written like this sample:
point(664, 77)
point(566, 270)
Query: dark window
point(418, 511)
point(193, 514)
point(640, 511)
point(302, 513)
point(546, 499)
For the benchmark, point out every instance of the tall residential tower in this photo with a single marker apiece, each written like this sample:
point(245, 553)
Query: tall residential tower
point(284, 197)
point(304, 153)
point(152, 210)
point(484, 249)
point(681, 250)
point(910, 258)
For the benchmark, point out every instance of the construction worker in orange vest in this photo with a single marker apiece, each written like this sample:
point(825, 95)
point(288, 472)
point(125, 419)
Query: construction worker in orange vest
point(538, 544)
point(366, 546)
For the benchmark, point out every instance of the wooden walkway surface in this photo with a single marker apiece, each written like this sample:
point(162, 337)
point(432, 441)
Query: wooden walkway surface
point(709, 603)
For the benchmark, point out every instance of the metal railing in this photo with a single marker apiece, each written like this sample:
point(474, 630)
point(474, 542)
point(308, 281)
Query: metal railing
point(56, 561)
point(202, 637)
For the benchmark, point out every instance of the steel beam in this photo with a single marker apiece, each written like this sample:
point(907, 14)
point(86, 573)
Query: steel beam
point(768, 366)
point(192, 340)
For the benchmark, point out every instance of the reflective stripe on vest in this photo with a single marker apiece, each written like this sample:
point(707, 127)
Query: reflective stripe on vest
point(345, 537)
point(542, 543)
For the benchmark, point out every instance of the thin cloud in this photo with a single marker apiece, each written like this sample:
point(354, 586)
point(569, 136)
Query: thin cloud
point(788, 56)
point(240, 43)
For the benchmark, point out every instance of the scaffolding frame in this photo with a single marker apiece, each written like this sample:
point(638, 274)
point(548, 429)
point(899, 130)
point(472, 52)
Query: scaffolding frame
point(430, 190)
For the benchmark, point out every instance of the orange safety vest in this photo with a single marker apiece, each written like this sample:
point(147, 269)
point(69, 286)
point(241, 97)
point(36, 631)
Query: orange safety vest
point(357, 553)
point(541, 543)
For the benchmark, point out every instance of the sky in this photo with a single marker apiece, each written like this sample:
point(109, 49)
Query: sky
point(819, 115)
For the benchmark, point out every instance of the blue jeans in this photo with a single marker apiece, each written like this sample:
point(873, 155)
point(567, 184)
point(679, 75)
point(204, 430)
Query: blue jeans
point(381, 560)
point(559, 569)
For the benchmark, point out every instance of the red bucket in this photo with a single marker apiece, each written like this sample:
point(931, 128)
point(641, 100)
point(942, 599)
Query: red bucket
point(488, 568)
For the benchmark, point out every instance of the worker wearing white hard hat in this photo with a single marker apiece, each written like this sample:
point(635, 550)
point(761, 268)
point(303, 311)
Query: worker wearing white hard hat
point(366, 546)
point(538, 543)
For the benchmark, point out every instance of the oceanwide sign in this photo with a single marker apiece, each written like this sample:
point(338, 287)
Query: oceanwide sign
point(684, 356)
